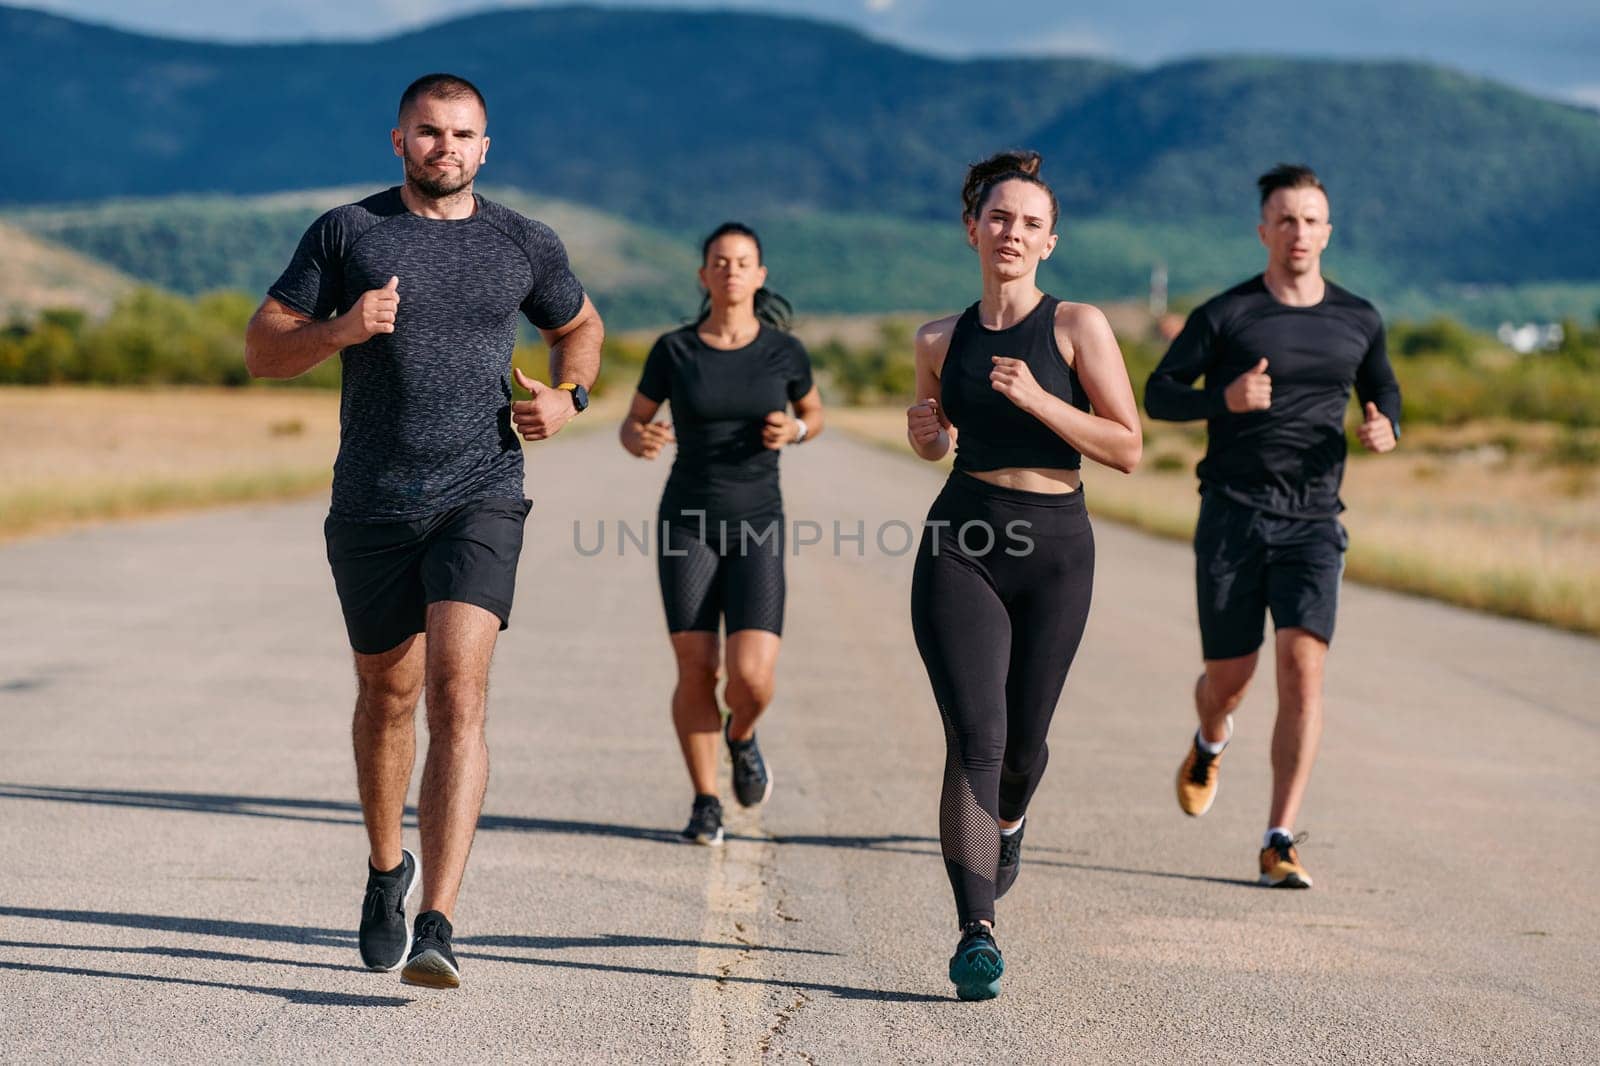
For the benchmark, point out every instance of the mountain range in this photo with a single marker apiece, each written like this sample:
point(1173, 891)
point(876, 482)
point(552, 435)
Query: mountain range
point(669, 121)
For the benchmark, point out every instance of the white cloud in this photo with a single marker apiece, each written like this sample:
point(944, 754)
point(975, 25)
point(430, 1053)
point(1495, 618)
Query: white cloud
point(1066, 41)
point(1588, 95)
point(879, 6)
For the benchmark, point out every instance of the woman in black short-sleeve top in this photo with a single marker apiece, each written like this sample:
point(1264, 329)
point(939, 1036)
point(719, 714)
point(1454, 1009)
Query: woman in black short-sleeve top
point(731, 378)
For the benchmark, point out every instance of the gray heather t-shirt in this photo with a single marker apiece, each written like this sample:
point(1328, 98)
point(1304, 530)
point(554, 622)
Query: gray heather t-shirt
point(425, 413)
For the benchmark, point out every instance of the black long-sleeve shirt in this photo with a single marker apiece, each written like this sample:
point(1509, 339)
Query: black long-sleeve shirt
point(1288, 459)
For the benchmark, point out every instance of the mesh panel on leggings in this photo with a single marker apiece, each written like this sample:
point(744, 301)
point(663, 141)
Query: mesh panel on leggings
point(968, 834)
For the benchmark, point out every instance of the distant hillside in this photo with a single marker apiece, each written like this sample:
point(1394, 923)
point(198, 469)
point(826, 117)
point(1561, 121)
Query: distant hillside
point(36, 275)
point(666, 116)
point(676, 119)
point(825, 263)
point(1447, 176)
point(644, 278)
point(195, 244)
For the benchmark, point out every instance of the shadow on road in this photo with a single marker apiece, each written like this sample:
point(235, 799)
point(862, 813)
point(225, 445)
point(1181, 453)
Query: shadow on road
point(343, 812)
point(841, 991)
point(322, 812)
point(23, 684)
point(278, 934)
point(301, 996)
point(278, 807)
point(315, 997)
point(290, 934)
point(336, 938)
point(1236, 881)
point(176, 953)
point(895, 843)
point(618, 940)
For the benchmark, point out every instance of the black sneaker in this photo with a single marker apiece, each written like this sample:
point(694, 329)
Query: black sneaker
point(431, 963)
point(385, 937)
point(1010, 860)
point(705, 822)
point(752, 781)
point(976, 966)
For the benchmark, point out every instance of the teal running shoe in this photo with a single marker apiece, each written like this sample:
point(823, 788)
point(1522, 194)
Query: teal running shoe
point(976, 966)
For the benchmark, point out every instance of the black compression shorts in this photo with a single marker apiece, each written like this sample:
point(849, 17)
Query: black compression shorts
point(731, 571)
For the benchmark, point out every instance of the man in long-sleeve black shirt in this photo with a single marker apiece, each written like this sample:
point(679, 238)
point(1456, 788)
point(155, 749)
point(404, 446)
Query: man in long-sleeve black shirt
point(1279, 354)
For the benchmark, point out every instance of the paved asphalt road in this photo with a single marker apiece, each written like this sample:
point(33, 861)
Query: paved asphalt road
point(182, 863)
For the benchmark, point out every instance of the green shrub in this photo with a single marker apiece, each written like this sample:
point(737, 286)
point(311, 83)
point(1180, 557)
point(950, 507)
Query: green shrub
point(1438, 337)
point(1448, 374)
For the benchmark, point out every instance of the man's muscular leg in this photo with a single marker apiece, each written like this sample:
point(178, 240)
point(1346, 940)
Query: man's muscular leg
point(385, 736)
point(1301, 656)
point(461, 639)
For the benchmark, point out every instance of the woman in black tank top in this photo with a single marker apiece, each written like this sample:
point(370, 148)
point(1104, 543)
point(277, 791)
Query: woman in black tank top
point(731, 377)
point(1023, 385)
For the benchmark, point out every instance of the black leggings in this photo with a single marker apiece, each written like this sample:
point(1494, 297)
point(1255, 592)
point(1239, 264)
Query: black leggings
point(999, 599)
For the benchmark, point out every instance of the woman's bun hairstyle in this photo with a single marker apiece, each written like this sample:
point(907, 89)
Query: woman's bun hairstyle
point(982, 177)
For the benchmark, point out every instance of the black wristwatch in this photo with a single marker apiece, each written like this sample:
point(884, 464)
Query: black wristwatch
point(580, 395)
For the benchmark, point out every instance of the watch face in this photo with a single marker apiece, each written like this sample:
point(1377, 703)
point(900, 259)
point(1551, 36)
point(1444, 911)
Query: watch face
point(580, 398)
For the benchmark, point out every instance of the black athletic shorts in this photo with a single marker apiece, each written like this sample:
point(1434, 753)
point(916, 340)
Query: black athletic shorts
point(1249, 562)
point(387, 573)
point(732, 573)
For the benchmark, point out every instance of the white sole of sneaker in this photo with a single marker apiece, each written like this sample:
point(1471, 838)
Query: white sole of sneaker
point(713, 842)
point(430, 970)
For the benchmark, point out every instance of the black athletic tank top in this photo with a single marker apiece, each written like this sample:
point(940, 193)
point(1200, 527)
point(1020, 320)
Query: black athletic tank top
point(994, 432)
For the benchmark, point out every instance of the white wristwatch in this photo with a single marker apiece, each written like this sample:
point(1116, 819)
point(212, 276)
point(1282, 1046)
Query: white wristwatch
point(800, 434)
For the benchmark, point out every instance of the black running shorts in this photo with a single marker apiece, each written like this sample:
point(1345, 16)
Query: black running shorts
point(1248, 562)
point(387, 573)
point(714, 579)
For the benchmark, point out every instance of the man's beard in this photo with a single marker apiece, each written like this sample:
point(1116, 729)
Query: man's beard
point(435, 188)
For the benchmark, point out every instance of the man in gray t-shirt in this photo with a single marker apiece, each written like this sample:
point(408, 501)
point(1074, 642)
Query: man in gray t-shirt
point(419, 289)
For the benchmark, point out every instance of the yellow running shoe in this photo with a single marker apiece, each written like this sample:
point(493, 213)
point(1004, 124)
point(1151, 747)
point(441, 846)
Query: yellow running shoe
point(1197, 777)
point(1280, 864)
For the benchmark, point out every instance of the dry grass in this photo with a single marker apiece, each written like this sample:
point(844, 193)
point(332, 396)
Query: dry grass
point(1477, 516)
point(75, 455)
point(71, 455)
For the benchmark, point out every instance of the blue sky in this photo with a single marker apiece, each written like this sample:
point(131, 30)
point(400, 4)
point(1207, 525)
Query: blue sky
point(1549, 46)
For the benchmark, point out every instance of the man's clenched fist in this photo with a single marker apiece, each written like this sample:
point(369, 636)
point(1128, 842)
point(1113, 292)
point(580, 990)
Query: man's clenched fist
point(1377, 432)
point(1250, 391)
point(543, 415)
point(372, 314)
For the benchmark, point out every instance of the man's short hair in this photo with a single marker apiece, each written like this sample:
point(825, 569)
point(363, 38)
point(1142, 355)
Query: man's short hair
point(441, 87)
point(1288, 176)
